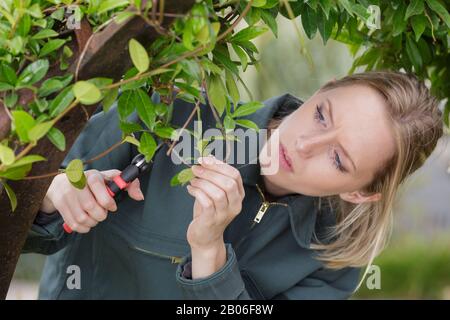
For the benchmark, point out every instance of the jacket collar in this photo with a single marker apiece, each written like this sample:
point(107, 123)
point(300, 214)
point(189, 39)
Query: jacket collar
point(303, 210)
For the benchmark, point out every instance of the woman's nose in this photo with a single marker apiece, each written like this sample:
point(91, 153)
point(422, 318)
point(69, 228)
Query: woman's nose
point(311, 144)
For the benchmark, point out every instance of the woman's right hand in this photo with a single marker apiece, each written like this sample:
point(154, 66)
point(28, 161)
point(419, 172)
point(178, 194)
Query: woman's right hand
point(84, 209)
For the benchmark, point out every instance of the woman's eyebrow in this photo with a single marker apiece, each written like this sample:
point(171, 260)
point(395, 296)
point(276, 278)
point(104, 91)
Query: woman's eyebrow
point(330, 111)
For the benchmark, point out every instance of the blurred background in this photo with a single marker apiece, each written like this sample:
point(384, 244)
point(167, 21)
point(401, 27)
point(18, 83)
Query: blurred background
point(416, 264)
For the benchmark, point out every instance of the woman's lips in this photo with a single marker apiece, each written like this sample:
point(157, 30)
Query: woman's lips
point(285, 161)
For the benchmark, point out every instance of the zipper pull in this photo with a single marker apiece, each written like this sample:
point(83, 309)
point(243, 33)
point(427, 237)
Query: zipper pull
point(262, 210)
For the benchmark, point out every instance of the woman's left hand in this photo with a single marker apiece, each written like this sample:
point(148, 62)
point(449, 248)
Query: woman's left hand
point(218, 192)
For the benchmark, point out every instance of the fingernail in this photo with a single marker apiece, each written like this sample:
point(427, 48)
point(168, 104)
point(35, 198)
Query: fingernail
point(209, 160)
point(141, 195)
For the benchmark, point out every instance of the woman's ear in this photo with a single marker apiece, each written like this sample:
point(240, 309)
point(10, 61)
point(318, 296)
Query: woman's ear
point(358, 197)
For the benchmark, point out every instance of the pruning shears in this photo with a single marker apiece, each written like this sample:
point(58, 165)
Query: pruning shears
point(118, 183)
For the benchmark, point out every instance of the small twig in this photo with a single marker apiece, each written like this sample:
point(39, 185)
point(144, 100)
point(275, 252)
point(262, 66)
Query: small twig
point(48, 175)
point(197, 105)
point(104, 153)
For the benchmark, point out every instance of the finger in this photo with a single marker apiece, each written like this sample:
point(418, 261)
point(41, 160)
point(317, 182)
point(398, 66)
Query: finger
point(82, 218)
point(217, 195)
point(134, 190)
point(64, 203)
point(110, 174)
point(227, 184)
point(206, 203)
point(68, 216)
point(221, 167)
point(89, 204)
point(97, 186)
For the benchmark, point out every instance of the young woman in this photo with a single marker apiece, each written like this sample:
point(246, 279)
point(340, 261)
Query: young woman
point(237, 232)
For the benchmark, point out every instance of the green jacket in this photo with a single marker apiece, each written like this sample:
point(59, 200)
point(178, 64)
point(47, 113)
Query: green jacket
point(141, 251)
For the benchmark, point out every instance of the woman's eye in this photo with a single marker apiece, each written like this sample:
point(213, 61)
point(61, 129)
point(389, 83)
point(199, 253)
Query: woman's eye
point(337, 162)
point(318, 115)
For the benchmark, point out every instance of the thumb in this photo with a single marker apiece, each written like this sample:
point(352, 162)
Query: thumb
point(134, 190)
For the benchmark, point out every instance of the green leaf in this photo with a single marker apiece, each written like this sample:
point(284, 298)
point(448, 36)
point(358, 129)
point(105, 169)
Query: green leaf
point(145, 108)
point(126, 104)
point(232, 87)
point(247, 124)
point(58, 14)
point(11, 100)
point(44, 34)
point(81, 184)
point(34, 72)
point(27, 160)
point(309, 22)
point(86, 92)
point(54, 84)
point(216, 93)
point(399, 23)
point(247, 109)
point(5, 86)
point(24, 26)
point(8, 74)
point(40, 130)
point(413, 53)
point(415, 7)
point(147, 146)
point(242, 56)
point(259, 3)
point(75, 170)
point(270, 21)
point(346, 5)
point(50, 46)
point(129, 127)
point(11, 195)
point(182, 177)
point(110, 98)
point(132, 140)
point(108, 5)
point(7, 155)
point(16, 173)
point(248, 33)
point(121, 17)
point(139, 56)
point(229, 123)
point(57, 138)
point(419, 24)
point(164, 132)
point(437, 7)
point(61, 102)
point(23, 122)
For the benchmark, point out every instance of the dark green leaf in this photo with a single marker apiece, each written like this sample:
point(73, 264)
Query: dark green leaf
point(147, 146)
point(61, 102)
point(247, 109)
point(145, 108)
point(50, 46)
point(34, 72)
point(57, 138)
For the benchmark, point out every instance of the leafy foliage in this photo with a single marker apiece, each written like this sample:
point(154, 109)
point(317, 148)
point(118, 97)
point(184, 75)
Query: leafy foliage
point(193, 55)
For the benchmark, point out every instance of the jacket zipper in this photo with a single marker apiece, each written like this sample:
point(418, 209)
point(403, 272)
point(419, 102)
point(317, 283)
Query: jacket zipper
point(261, 212)
point(173, 259)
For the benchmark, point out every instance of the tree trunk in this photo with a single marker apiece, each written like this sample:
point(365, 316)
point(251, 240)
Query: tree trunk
point(106, 55)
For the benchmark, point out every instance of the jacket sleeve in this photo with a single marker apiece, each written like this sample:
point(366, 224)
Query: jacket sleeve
point(46, 235)
point(227, 283)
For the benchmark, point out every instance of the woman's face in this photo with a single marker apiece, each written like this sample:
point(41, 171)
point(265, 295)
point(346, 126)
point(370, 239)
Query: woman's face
point(334, 144)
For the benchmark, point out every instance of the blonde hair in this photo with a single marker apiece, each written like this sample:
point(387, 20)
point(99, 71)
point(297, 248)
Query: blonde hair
point(362, 230)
